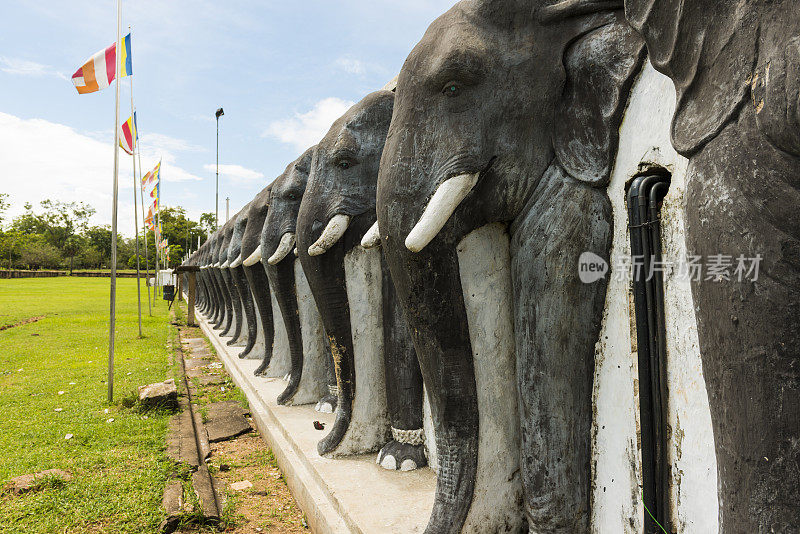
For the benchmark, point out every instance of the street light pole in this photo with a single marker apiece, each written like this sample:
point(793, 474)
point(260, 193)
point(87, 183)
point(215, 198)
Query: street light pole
point(218, 114)
point(227, 208)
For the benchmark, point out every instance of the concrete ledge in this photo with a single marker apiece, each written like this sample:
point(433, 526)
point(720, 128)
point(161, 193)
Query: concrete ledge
point(340, 495)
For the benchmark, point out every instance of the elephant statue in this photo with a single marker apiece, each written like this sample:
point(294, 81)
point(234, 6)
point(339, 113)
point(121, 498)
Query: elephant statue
point(736, 70)
point(257, 276)
point(335, 213)
point(244, 320)
point(232, 308)
point(277, 247)
point(508, 113)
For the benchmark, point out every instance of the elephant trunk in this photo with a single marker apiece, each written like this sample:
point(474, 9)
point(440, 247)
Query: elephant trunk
point(259, 284)
point(429, 288)
point(229, 295)
point(248, 308)
point(326, 277)
point(281, 276)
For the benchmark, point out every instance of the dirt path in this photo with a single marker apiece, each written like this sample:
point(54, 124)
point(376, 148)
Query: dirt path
point(254, 494)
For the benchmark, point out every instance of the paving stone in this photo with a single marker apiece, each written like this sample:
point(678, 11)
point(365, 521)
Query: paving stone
point(173, 505)
point(206, 490)
point(195, 363)
point(181, 444)
point(201, 371)
point(210, 380)
point(159, 394)
point(242, 485)
point(226, 420)
point(25, 483)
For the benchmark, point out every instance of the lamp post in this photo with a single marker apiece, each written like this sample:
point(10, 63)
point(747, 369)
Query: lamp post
point(218, 114)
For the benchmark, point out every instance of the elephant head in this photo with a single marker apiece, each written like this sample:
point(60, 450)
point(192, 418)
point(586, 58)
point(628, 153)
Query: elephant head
point(337, 209)
point(509, 112)
point(277, 246)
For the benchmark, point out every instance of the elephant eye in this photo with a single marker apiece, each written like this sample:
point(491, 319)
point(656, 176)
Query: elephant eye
point(452, 89)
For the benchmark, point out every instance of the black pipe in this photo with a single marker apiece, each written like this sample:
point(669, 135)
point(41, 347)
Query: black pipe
point(644, 195)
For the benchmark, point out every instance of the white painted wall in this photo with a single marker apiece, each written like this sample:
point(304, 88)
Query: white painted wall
point(617, 507)
point(258, 346)
point(280, 364)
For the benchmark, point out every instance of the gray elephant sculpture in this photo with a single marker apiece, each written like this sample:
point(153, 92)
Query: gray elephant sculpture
point(257, 276)
point(509, 112)
point(277, 248)
point(336, 211)
point(736, 70)
point(244, 326)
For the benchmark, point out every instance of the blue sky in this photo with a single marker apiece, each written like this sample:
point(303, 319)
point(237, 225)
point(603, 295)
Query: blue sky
point(283, 71)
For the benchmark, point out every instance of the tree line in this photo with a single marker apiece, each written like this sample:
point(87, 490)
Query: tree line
point(58, 235)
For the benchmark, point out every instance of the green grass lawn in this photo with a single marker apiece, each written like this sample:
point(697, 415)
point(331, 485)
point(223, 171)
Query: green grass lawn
point(60, 361)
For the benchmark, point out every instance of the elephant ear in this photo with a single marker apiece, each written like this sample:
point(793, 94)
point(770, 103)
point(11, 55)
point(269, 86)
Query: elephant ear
point(708, 48)
point(600, 68)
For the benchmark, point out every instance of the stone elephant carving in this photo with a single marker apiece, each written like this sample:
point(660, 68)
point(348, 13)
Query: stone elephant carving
point(277, 247)
point(336, 211)
point(244, 329)
point(232, 307)
point(736, 71)
point(257, 276)
point(508, 112)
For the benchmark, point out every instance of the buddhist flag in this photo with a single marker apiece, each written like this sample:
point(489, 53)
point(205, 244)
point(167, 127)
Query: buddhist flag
point(152, 176)
point(128, 135)
point(155, 192)
point(100, 70)
point(126, 64)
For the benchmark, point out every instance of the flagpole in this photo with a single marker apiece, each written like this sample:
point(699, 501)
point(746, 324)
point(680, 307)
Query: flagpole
point(144, 220)
point(156, 235)
point(113, 298)
point(134, 135)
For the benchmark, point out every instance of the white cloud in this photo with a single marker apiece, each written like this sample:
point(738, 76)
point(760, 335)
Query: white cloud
point(42, 159)
point(235, 172)
point(350, 65)
point(306, 129)
point(23, 67)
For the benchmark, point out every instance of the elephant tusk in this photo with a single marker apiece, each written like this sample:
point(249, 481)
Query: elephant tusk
point(217, 265)
point(372, 238)
point(253, 258)
point(335, 229)
point(295, 252)
point(237, 262)
point(284, 248)
point(443, 203)
point(225, 265)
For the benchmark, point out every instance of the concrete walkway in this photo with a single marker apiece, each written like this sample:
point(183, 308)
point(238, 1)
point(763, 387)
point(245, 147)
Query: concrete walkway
point(338, 496)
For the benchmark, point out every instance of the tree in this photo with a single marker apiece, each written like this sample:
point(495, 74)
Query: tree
point(38, 253)
point(4, 205)
point(208, 221)
point(57, 223)
point(72, 246)
point(100, 239)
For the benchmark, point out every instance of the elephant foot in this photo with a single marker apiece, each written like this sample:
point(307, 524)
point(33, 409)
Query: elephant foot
point(327, 404)
point(261, 370)
point(405, 452)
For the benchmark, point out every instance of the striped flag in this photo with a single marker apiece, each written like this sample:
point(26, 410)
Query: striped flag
point(155, 192)
point(100, 70)
point(128, 134)
point(152, 176)
point(125, 61)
